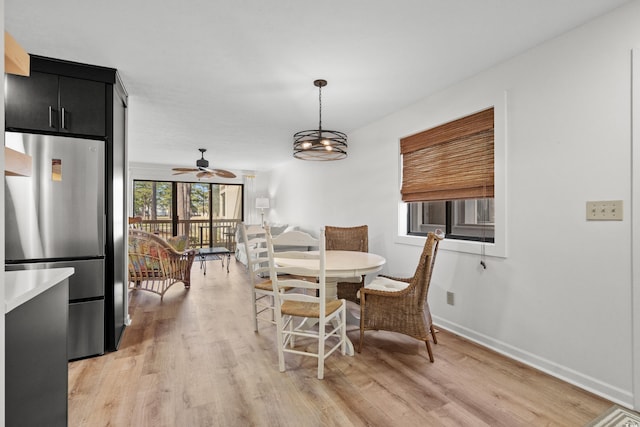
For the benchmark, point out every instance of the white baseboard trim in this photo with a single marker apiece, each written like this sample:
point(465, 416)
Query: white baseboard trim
point(595, 386)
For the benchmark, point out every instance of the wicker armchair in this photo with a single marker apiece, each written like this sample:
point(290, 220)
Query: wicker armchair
point(348, 239)
point(155, 265)
point(400, 305)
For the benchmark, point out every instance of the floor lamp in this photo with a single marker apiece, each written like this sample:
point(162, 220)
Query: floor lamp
point(262, 203)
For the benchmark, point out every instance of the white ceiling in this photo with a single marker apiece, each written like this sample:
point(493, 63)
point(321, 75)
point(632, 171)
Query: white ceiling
point(236, 76)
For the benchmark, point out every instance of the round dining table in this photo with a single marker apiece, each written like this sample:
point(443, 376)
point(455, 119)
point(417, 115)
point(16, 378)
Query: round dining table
point(338, 265)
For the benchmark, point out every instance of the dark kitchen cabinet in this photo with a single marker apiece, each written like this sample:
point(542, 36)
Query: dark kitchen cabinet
point(95, 107)
point(36, 380)
point(52, 103)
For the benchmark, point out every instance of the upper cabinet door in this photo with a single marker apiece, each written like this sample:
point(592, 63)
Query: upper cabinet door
point(32, 102)
point(83, 109)
point(48, 102)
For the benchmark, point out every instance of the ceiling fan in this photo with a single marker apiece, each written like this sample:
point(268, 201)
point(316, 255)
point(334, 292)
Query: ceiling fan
point(202, 169)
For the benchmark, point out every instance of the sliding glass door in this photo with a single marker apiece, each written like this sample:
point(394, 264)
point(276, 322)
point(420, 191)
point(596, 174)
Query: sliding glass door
point(208, 213)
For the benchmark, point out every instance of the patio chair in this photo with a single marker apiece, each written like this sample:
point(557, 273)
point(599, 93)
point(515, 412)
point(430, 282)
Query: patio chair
point(156, 264)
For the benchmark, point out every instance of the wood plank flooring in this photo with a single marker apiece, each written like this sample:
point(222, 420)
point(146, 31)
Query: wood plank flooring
point(194, 360)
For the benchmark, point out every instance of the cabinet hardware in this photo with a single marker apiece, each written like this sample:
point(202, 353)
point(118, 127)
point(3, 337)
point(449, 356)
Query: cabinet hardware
point(62, 112)
point(51, 117)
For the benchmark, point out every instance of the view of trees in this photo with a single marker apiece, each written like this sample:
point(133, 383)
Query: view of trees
point(202, 209)
point(152, 200)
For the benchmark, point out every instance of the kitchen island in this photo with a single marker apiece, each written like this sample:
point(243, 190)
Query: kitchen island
point(36, 321)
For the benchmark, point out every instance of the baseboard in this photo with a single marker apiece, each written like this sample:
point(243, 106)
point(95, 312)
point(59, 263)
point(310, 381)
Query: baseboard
point(595, 386)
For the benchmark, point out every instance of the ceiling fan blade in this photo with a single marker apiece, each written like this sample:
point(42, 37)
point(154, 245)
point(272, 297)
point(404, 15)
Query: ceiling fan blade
point(202, 170)
point(184, 170)
point(204, 174)
point(224, 173)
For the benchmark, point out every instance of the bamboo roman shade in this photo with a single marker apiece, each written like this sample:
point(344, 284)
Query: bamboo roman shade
point(452, 161)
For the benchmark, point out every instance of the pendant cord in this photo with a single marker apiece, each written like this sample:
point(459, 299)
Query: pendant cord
point(320, 109)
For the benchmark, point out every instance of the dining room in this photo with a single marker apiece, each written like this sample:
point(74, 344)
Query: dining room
point(535, 309)
point(531, 293)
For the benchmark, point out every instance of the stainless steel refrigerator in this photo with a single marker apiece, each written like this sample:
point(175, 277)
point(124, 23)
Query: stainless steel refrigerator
point(56, 218)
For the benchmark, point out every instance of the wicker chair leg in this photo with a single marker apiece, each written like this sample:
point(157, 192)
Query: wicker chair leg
point(433, 334)
point(429, 350)
point(361, 320)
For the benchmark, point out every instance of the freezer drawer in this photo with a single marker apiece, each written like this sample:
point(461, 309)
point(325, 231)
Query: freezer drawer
point(86, 282)
point(86, 329)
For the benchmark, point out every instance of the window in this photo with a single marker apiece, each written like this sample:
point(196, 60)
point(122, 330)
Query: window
point(152, 199)
point(447, 178)
point(470, 219)
point(206, 212)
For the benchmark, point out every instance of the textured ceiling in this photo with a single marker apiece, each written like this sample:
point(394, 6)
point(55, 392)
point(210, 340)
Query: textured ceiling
point(236, 76)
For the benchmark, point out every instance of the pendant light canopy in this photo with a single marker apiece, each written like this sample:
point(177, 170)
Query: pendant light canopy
point(320, 144)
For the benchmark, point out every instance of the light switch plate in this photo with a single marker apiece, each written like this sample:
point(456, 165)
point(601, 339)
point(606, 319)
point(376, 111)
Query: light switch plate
point(604, 210)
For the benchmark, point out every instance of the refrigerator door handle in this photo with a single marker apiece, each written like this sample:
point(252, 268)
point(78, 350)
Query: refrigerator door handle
point(51, 117)
point(104, 233)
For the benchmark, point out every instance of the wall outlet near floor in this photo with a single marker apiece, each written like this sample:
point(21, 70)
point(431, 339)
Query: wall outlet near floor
point(450, 298)
point(606, 210)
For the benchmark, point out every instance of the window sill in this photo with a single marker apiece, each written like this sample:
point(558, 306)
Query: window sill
point(454, 245)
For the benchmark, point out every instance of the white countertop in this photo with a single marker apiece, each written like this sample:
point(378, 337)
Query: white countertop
point(21, 286)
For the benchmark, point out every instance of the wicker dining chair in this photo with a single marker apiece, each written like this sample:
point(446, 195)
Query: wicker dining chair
point(348, 239)
point(400, 305)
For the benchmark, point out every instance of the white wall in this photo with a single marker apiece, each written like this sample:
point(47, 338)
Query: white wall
point(2, 358)
point(559, 299)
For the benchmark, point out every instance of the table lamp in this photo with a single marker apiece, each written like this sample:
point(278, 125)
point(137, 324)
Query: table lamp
point(262, 203)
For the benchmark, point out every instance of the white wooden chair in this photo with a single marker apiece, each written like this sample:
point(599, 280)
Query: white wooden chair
point(330, 315)
point(255, 243)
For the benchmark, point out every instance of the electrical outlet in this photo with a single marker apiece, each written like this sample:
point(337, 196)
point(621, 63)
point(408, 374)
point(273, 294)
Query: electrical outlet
point(450, 298)
point(607, 210)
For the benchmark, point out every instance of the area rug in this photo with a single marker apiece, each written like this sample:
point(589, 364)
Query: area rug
point(616, 416)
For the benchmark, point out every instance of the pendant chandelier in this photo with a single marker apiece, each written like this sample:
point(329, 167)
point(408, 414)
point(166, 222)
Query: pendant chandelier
point(320, 144)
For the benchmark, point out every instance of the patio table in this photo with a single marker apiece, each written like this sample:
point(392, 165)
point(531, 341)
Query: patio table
point(215, 253)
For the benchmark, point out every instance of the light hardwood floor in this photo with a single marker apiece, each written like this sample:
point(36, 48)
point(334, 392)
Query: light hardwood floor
point(194, 360)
